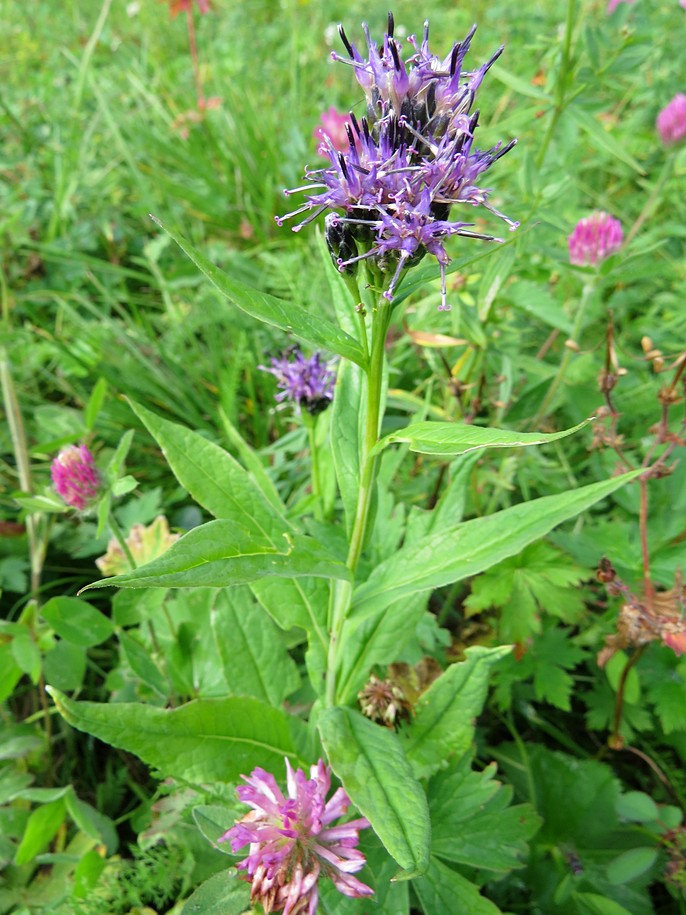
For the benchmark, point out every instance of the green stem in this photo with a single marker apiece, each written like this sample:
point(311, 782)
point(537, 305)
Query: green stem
point(566, 358)
point(37, 548)
point(561, 85)
point(342, 590)
point(310, 423)
point(119, 537)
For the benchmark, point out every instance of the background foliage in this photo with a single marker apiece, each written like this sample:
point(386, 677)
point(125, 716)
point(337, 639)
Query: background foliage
point(101, 312)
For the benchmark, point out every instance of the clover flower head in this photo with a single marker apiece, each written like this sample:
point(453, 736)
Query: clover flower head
point(407, 162)
point(75, 476)
point(594, 239)
point(332, 124)
point(671, 121)
point(293, 842)
point(305, 382)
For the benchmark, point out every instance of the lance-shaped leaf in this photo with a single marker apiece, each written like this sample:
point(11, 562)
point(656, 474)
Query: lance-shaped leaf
point(203, 741)
point(447, 711)
point(223, 553)
point(313, 328)
point(467, 549)
point(221, 894)
point(212, 476)
point(459, 438)
point(370, 762)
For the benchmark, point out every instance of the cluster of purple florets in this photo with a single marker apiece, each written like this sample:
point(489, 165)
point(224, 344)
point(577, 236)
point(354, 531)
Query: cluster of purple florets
point(410, 158)
point(308, 382)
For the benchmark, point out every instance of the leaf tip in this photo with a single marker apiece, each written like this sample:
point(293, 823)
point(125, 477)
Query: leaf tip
point(158, 222)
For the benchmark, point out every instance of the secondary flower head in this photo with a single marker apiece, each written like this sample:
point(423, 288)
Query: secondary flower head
point(333, 125)
point(407, 162)
point(671, 121)
point(594, 238)
point(292, 842)
point(75, 476)
point(306, 382)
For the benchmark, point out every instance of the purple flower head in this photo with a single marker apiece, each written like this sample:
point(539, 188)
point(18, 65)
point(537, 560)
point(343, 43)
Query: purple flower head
point(75, 476)
point(594, 238)
point(292, 842)
point(307, 383)
point(407, 162)
point(671, 121)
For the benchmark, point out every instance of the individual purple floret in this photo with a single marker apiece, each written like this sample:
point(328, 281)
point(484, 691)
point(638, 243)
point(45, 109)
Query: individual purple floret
point(408, 161)
point(292, 843)
point(594, 238)
point(75, 476)
point(671, 121)
point(306, 382)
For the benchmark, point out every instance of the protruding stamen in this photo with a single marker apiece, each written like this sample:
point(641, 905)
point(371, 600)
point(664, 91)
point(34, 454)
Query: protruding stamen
point(391, 24)
point(344, 39)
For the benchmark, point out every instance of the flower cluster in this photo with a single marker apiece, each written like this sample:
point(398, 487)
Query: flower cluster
point(75, 476)
point(306, 382)
point(594, 238)
point(671, 121)
point(407, 162)
point(292, 842)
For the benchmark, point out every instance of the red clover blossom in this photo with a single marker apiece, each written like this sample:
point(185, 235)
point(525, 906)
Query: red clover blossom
point(671, 121)
point(407, 162)
point(594, 238)
point(308, 383)
point(184, 6)
point(75, 476)
point(292, 842)
point(333, 125)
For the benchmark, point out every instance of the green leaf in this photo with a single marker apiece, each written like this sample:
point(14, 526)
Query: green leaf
point(65, 665)
point(251, 650)
point(630, 865)
point(313, 328)
point(466, 549)
point(223, 553)
point(346, 422)
point(222, 894)
point(77, 621)
point(637, 807)
point(473, 823)
point(214, 478)
point(213, 822)
point(26, 654)
point(137, 656)
point(459, 438)
point(370, 762)
point(92, 822)
point(602, 138)
point(444, 890)
point(44, 502)
point(596, 904)
point(446, 712)
point(95, 402)
point(41, 827)
point(203, 741)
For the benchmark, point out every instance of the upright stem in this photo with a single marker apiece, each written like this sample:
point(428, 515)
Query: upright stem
point(576, 333)
point(342, 590)
point(121, 540)
point(21, 457)
point(194, 57)
point(561, 86)
point(310, 423)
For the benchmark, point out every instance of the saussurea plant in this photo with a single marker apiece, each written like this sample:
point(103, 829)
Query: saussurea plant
point(347, 573)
